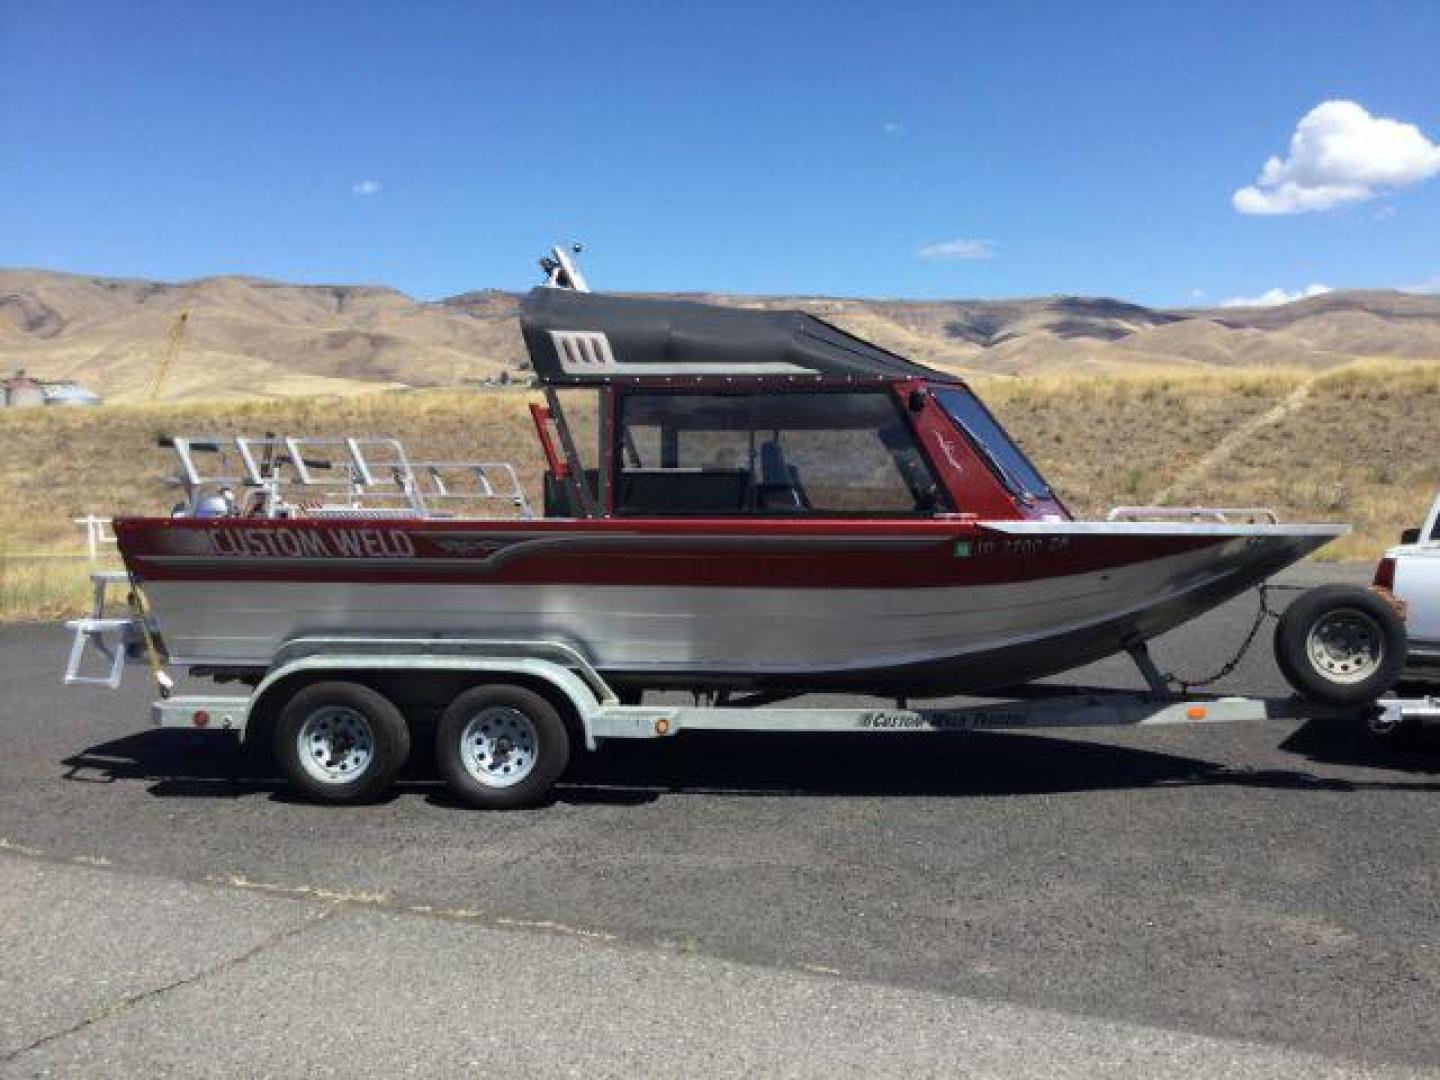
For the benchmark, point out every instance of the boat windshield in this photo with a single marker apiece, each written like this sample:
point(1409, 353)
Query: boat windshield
point(991, 440)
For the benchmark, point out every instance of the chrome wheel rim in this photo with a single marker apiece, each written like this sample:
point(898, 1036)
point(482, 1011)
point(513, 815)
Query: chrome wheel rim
point(1345, 645)
point(498, 746)
point(336, 744)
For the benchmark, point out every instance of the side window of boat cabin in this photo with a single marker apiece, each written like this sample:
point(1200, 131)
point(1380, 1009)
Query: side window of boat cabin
point(798, 453)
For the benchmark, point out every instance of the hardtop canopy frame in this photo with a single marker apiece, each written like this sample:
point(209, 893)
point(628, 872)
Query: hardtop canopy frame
point(588, 339)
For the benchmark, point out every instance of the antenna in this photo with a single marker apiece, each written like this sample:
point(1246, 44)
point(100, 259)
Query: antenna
point(561, 271)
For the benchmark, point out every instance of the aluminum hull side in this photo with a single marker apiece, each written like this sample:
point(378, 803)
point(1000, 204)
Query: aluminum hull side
point(917, 640)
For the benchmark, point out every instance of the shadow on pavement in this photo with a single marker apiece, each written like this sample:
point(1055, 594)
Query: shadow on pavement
point(176, 763)
point(185, 764)
point(1406, 750)
point(973, 764)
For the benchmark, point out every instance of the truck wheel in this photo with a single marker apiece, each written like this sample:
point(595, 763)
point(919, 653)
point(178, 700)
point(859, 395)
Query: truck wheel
point(1340, 644)
point(340, 742)
point(501, 746)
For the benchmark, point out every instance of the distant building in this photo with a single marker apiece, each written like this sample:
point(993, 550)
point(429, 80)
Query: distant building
point(70, 394)
point(20, 391)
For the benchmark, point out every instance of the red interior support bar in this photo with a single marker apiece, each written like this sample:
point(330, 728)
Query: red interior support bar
point(559, 468)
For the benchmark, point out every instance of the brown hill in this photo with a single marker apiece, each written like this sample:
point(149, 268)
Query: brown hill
point(244, 337)
point(252, 338)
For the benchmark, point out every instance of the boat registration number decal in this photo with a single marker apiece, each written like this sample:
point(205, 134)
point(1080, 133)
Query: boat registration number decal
point(311, 544)
point(1012, 546)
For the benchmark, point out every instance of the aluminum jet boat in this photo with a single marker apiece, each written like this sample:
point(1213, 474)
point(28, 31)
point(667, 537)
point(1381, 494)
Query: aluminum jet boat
point(733, 498)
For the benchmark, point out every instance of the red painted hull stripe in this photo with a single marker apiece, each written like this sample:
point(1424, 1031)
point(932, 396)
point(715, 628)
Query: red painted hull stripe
point(785, 554)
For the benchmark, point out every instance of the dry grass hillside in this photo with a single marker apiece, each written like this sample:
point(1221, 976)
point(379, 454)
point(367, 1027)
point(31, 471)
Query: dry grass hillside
point(1355, 444)
point(248, 338)
point(1093, 336)
point(244, 338)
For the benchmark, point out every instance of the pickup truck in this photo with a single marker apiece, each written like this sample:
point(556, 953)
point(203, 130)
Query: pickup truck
point(1412, 572)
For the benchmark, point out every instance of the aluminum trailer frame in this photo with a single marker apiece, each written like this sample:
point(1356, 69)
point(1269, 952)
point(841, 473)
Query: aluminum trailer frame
point(600, 715)
point(567, 677)
point(1392, 713)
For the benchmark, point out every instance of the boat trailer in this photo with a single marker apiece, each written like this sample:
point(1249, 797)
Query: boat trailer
point(591, 711)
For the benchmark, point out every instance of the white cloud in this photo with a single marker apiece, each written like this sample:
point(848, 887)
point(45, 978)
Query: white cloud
point(1340, 154)
point(1198, 294)
point(1276, 297)
point(1429, 285)
point(366, 187)
point(957, 249)
point(893, 129)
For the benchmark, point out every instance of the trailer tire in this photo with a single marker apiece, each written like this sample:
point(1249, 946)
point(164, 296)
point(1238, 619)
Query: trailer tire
point(1340, 644)
point(341, 742)
point(501, 746)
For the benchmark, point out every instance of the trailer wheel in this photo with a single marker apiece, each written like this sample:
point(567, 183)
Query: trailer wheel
point(340, 742)
point(1340, 644)
point(501, 746)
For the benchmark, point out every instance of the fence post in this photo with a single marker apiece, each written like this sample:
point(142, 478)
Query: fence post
point(94, 533)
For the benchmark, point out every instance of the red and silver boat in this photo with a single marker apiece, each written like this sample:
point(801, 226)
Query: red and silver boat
point(733, 498)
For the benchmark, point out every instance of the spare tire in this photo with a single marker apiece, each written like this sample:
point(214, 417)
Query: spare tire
point(1340, 644)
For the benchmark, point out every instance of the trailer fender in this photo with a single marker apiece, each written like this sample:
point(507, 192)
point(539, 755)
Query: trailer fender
point(559, 679)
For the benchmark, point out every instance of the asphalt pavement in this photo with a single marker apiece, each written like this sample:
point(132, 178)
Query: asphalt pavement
point(1256, 899)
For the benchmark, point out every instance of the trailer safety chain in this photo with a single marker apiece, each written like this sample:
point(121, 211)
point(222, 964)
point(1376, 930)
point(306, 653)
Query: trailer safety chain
point(1264, 611)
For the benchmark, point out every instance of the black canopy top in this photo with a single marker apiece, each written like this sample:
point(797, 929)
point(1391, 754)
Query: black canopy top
point(583, 339)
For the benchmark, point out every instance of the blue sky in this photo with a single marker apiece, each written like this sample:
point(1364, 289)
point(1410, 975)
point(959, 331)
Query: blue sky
point(1090, 149)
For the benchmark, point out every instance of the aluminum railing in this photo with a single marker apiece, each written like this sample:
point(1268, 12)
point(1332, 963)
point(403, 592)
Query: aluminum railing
point(1221, 515)
point(281, 476)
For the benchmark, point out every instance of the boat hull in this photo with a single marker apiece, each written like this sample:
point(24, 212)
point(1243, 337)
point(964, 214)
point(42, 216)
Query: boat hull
point(918, 608)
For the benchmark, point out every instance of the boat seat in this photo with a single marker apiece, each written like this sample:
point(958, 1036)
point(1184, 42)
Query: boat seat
point(779, 487)
point(683, 491)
